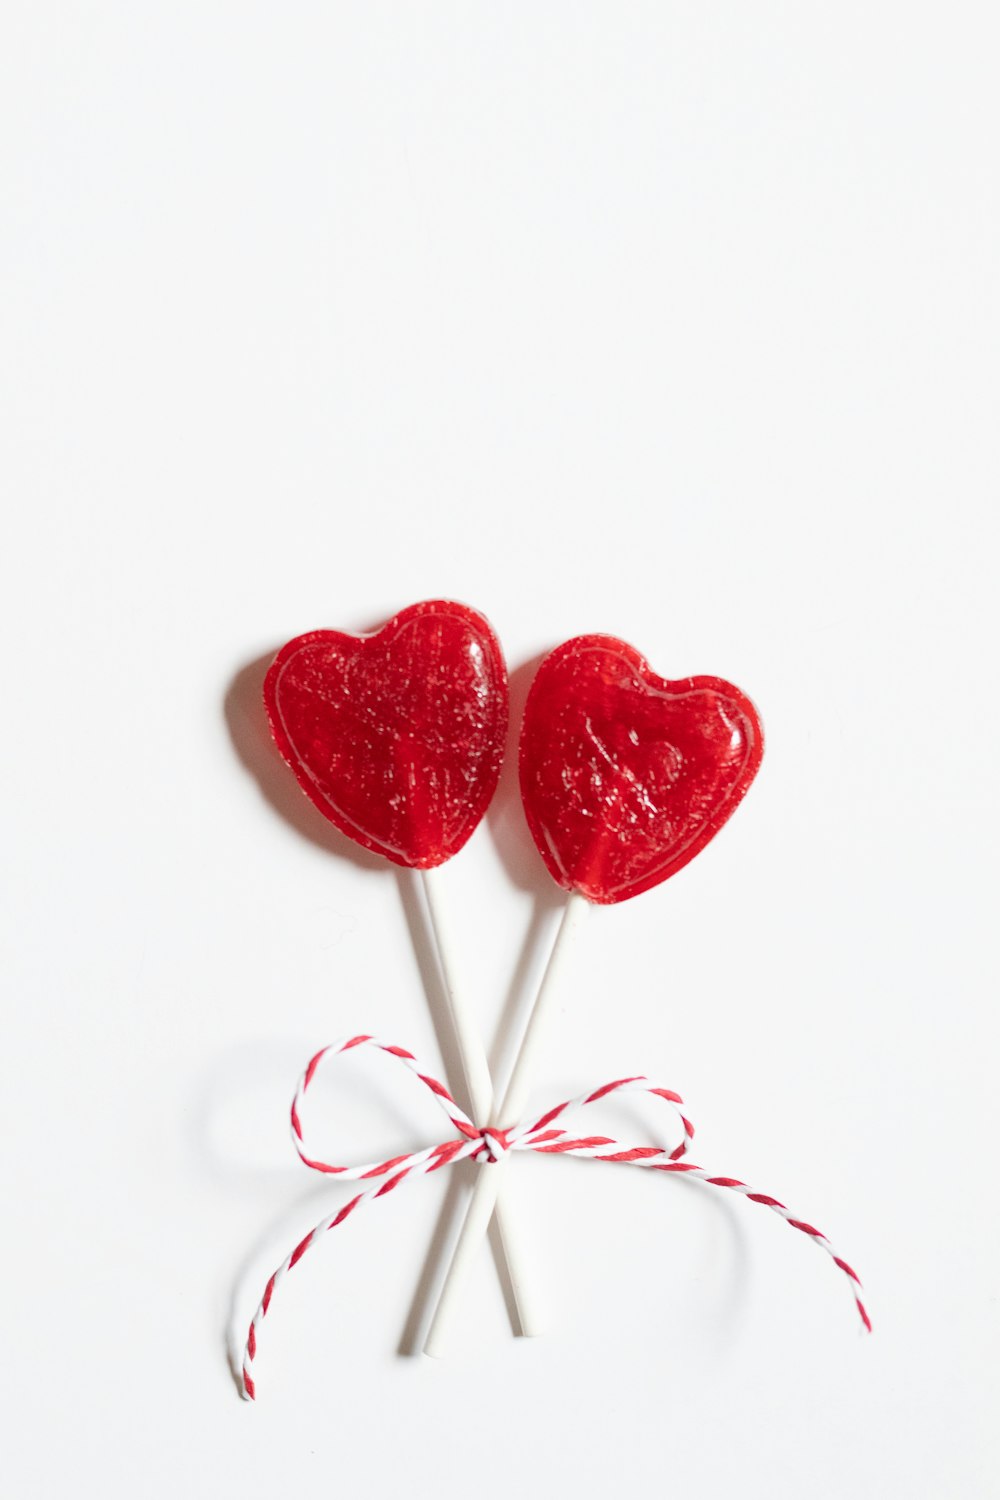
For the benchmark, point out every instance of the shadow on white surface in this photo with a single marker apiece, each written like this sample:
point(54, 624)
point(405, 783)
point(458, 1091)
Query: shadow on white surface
point(284, 1229)
point(238, 1132)
point(251, 737)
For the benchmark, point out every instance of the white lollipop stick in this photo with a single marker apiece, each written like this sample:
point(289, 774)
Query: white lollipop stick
point(490, 1178)
point(480, 1088)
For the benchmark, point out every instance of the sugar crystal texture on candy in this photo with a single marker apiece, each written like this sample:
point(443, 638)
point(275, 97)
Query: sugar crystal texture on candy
point(625, 776)
point(398, 736)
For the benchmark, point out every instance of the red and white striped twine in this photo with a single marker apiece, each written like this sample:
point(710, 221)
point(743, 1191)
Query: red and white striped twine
point(489, 1145)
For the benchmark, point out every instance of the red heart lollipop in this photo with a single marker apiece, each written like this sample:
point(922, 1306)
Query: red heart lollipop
point(397, 736)
point(625, 776)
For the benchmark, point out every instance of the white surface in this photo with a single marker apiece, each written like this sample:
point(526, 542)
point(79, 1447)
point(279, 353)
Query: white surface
point(673, 320)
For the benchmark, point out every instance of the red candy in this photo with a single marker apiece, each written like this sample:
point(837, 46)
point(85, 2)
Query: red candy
point(625, 776)
point(397, 737)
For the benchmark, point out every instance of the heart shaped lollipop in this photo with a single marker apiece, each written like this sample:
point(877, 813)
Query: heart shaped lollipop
point(398, 736)
point(624, 775)
point(398, 739)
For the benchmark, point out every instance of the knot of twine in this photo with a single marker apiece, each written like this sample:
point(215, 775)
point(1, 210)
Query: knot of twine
point(495, 1144)
point(489, 1145)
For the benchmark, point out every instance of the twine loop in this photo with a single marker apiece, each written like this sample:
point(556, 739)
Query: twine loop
point(489, 1145)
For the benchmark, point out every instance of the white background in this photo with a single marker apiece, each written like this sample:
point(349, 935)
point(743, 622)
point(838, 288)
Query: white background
point(673, 320)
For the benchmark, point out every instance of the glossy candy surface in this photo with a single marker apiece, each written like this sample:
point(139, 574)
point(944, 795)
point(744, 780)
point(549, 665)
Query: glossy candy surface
point(624, 775)
point(398, 736)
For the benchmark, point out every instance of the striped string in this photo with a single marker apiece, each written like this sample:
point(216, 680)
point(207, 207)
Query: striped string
point(489, 1145)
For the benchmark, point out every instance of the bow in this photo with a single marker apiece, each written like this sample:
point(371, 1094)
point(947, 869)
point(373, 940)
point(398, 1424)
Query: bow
point(487, 1146)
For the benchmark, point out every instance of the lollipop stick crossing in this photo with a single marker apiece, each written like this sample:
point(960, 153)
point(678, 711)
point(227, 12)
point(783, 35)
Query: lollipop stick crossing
point(479, 1086)
point(488, 1184)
